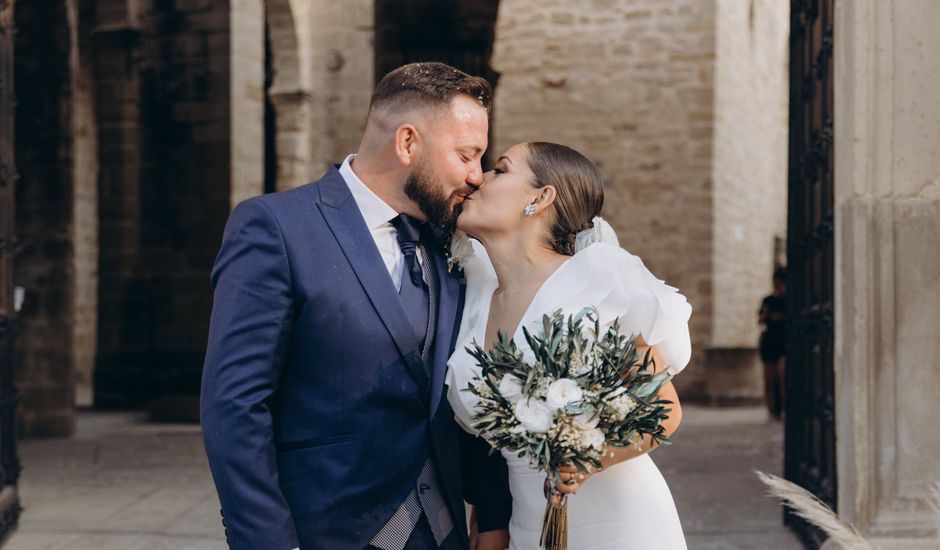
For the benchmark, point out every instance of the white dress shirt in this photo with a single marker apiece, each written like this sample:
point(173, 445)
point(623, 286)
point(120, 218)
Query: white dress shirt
point(378, 216)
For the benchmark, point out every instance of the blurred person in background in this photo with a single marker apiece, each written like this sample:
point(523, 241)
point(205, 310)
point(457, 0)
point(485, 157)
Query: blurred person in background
point(772, 316)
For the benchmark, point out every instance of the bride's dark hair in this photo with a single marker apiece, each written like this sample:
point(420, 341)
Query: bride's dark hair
point(578, 185)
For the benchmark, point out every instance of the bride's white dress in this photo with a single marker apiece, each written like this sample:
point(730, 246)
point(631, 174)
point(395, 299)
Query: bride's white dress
point(627, 506)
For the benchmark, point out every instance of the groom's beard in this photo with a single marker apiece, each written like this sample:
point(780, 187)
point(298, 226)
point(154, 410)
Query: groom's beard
point(431, 199)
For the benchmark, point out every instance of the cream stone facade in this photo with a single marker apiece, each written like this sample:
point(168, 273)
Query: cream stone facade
point(750, 161)
point(682, 104)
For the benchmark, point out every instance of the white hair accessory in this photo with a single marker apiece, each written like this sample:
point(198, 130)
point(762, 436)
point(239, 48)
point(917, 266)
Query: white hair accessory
point(602, 232)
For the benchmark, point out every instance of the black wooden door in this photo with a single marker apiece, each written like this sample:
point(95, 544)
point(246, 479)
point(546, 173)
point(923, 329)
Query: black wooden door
point(810, 416)
point(9, 462)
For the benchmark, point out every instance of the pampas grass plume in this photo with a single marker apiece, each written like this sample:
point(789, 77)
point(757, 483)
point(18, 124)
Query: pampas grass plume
point(807, 506)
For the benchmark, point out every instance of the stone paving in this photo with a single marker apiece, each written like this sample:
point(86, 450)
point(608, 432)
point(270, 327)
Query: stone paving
point(123, 483)
point(120, 483)
point(710, 470)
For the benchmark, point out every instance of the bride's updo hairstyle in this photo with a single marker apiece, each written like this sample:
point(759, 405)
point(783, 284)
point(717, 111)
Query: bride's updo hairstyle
point(578, 185)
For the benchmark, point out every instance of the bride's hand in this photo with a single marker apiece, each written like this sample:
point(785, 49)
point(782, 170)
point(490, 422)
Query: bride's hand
point(570, 479)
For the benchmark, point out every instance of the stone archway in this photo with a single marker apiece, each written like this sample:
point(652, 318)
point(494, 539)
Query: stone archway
point(287, 99)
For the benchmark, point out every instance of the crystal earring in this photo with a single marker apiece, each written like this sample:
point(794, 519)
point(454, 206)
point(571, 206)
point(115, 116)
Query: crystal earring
point(528, 210)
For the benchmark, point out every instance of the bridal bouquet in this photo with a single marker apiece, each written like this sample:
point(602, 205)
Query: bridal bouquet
point(584, 391)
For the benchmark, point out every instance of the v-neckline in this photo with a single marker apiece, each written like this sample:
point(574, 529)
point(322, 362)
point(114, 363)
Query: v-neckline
point(489, 304)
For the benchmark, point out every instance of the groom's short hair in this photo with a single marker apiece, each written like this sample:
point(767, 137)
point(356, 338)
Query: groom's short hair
point(428, 84)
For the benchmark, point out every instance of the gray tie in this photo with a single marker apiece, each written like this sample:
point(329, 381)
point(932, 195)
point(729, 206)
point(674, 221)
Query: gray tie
point(427, 496)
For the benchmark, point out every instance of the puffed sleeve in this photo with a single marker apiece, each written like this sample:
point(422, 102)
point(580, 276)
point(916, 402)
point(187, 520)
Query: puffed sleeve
point(658, 311)
point(621, 287)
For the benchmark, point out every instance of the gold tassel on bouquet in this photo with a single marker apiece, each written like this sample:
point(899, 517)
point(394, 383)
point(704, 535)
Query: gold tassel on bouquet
point(555, 522)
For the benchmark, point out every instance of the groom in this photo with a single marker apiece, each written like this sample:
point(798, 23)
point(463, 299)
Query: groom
point(323, 410)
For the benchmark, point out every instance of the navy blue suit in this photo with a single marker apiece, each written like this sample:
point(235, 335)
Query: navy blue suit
point(317, 412)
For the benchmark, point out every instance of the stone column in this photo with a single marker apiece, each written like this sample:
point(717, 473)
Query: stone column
point(85, 225)
point(55, 158)
point(289, 91)
point(292, 137)
point(246, 97)
point(887, 349)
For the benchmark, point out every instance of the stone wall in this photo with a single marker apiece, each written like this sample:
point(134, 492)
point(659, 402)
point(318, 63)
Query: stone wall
point(459, 33)
point(121, 344)
point(187, 184)
point(630, 84)
point(341, 78)
point(683, 106)
point(165, 150)
point(287, 25)
point(85, 214)
point(887, 270)
point(750, 162)
point(246, 98)
point(142, 124)
point(45, 77)
point(750, 183)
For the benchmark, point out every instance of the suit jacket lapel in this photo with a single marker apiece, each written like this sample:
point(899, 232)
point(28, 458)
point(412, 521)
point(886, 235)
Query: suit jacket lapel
point(345, 220)
point(446, 312)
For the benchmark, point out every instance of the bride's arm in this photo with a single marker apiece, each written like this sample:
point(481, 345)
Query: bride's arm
point(616, 455)
point(669, 424)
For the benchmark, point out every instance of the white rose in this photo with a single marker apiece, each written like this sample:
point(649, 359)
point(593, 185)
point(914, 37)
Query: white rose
point(586, 420)
point(510, 387)
point(563, 392)
point(622, 405)
point(593, 438)
point(533, 415)
point(461, 249)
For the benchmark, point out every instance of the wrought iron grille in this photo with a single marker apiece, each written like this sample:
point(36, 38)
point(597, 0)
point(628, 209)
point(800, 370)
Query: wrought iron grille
point(810, 417)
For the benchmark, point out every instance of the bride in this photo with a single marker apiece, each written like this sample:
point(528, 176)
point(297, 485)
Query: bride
point(543, 250)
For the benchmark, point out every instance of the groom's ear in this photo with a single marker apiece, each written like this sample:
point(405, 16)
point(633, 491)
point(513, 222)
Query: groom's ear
point(407, 144)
